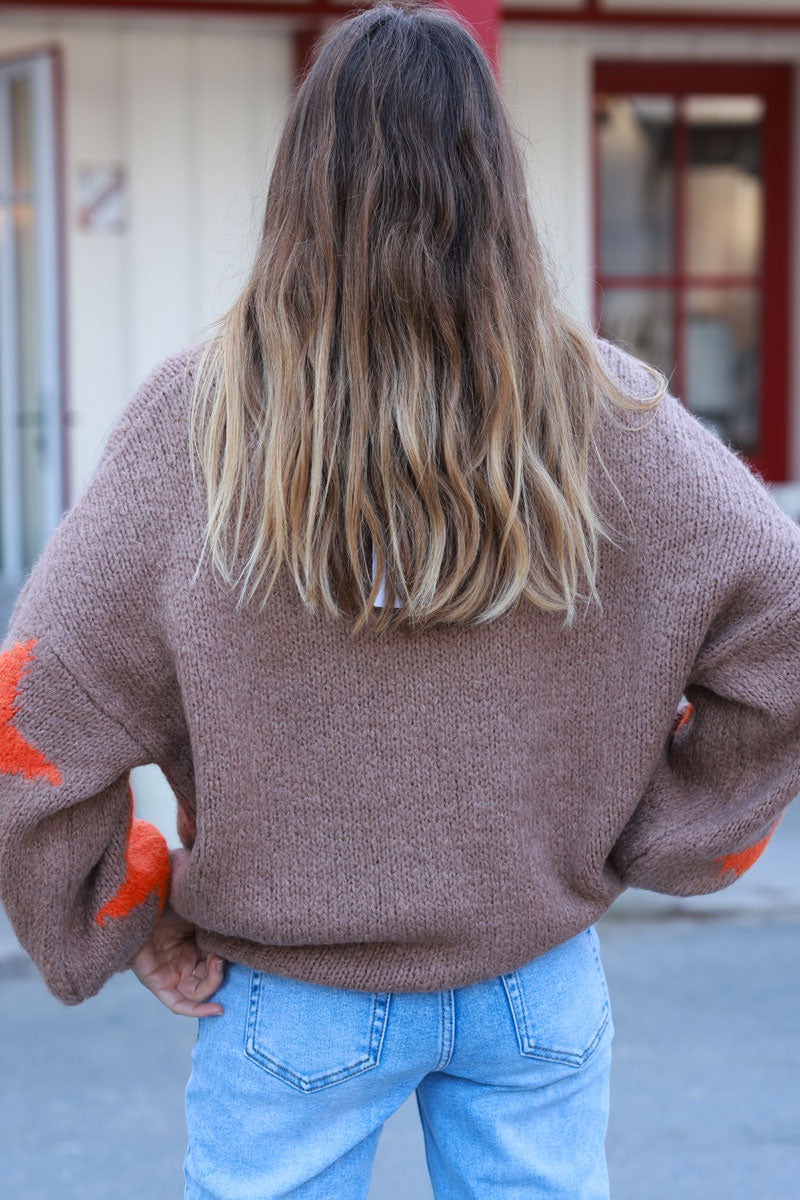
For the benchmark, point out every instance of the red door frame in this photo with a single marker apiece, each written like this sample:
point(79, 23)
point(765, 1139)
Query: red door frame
point(774, 84)
point(590, 12)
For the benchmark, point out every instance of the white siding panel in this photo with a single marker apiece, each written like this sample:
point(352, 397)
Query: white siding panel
point(238, 86)
point(271, 76)
point(159, 130)
point(534, 75)
point(201, 116)
point(217, 183)
point(97, 293)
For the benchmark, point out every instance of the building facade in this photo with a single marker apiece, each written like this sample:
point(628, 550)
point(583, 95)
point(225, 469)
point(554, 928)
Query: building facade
point(135, 148)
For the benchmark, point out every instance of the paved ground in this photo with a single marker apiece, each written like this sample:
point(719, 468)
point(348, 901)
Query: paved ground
point(705, 1105)
point(705, 1081)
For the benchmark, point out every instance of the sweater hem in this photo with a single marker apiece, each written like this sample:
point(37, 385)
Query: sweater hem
point(384, 966)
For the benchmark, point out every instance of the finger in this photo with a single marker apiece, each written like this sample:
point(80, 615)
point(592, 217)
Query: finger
point(203, 980)
point(202, 964)
point(178, 1003)
point(216, 966)
point(199, 989)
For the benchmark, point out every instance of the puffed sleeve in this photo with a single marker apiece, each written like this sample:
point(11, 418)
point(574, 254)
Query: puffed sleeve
point(87, 692)
point(729, 766)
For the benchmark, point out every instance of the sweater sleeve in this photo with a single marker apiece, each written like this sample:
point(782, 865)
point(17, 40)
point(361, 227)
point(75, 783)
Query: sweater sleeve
point(88, 693)
point(729, 765)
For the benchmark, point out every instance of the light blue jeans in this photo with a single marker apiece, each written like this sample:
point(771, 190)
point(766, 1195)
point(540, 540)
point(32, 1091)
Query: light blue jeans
point(291, 1085)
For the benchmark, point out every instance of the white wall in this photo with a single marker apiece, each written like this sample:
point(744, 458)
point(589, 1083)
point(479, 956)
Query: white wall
point(547, 85)
point(192, 110)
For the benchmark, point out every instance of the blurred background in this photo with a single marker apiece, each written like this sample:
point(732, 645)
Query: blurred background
point(663, 149)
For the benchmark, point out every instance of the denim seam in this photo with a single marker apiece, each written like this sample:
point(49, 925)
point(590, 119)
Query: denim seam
point(527, 1047)
point(447, 1035)
point(598, 964)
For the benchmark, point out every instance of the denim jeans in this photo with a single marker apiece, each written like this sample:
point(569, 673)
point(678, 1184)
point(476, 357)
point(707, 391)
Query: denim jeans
point(291, 1085)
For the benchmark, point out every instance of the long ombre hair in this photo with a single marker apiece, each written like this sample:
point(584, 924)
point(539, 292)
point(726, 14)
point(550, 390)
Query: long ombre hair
point(395, 387)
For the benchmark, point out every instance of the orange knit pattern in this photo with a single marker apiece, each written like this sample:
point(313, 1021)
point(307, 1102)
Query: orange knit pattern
point(147, 868)
point(744, 859)
point(682, 716)
point(16, 752)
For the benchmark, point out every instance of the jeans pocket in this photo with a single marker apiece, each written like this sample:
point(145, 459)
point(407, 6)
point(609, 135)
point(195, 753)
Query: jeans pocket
point(559, 1001)
point(310, 1035)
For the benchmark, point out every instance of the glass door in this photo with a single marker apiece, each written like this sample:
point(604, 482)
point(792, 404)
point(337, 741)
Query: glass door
point(31, 402)
point(692, 176)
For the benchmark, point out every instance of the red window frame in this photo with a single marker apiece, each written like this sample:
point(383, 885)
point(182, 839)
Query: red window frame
point(773, 82)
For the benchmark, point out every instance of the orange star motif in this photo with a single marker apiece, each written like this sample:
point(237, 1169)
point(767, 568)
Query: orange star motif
point(17, 755)
point(147, 868)
point(744, 859)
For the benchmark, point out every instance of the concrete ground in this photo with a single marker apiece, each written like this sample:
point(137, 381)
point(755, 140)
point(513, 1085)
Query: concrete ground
point(705, 1081)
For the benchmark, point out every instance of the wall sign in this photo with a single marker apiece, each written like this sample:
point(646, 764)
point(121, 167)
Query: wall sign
point(100, 192)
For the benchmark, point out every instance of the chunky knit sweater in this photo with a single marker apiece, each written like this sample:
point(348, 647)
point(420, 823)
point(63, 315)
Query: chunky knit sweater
point(400, 812)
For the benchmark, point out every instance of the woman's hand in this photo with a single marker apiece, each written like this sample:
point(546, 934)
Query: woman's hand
point(173, 967)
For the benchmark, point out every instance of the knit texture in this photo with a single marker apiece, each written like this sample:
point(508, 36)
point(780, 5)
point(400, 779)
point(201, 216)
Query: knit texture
point(402, 812)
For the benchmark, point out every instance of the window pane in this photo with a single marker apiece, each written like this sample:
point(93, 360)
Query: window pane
point(640, 320)
point(6, 313)
point(30, 415)
point(723, 363)
point(30, 483)
point(724, 185)
point(21, 133)
point(635, 146)
point(31, 420)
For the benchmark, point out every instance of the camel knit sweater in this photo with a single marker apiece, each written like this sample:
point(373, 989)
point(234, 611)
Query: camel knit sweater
point(396, 812)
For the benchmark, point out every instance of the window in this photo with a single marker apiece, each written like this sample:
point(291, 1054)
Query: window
point(692, 166)
point(31, 480)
